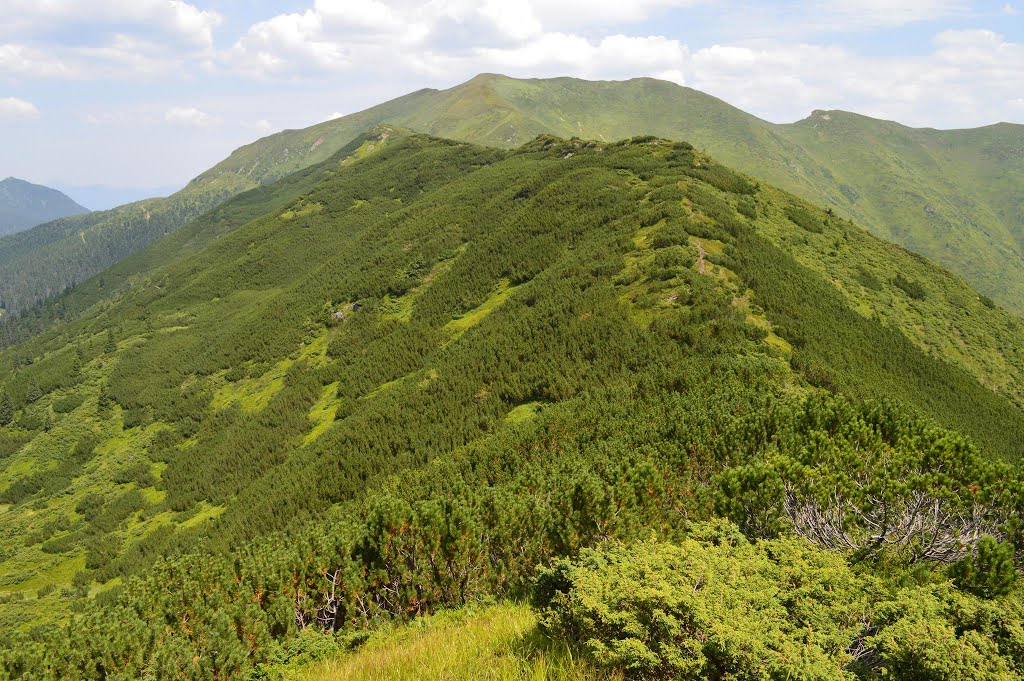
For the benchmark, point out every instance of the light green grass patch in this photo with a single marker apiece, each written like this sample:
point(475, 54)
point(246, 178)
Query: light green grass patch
point(401, 308)
point(499, 643)
point(315, 352)
point(364, 150)
point(300, 211)
point(206, 512)
point(524, 412)
point(323, 412)
point(711, 246)
point(385, 387)
point(459, 326)
point(253, 394)
point(152, 495)
point(59, 574)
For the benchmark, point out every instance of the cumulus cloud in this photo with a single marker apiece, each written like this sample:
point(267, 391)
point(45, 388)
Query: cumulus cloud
point(12, 108)
point(966, 79)
point(447, 37)
point(172, 17)
point(190, 116)
point(122, 57)
point(21, 60)
point(117, 39)
point(780, 77)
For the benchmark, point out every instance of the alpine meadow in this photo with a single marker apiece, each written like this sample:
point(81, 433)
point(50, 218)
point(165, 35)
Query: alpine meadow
point(523, 379)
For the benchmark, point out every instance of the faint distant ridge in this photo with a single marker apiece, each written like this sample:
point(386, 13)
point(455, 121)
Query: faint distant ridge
point(24, 205)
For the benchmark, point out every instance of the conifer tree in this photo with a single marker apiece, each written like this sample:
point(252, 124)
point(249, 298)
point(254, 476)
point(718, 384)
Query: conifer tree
point(6, 409)
point(34, 393)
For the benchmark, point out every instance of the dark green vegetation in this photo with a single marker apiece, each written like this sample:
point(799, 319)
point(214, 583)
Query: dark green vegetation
point(953, 196)
point(24, 205)
point(409, 376)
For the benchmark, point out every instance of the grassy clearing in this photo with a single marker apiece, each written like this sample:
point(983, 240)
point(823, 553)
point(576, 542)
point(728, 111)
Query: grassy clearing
point(253, 394)
point(499, 643)
point(206, 512)
point(323, 412)
point(315, 353)
point(524, 412)
point(467, 321)
point(401, 308)
point(300, 211)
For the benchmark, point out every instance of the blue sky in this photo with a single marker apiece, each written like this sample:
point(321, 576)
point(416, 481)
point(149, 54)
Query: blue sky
point(141, 95)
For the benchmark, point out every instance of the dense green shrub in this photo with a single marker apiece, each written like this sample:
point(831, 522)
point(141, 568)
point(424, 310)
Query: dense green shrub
point(805, 218)
point(868, 279)
point(717, 607)
point(989, 571)
point(912, 288)
point(707, 610)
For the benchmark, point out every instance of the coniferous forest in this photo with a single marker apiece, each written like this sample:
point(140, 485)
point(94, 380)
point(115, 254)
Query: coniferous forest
point(698, 427)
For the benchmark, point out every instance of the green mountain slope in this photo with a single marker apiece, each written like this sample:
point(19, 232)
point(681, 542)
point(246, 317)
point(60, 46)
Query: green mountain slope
point(953, 196)
point(433, 366)
point(24, 205)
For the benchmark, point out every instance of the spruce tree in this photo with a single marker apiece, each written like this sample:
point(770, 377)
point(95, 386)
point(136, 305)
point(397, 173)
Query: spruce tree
point(34, 392)
point(6, 409)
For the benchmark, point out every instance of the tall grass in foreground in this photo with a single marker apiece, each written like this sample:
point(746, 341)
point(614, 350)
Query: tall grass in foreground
point(499, 643)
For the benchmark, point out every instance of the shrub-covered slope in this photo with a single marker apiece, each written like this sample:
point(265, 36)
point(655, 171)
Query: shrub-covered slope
point(410, 375)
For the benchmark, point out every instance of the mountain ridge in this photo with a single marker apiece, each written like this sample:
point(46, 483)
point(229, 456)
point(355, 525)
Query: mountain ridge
point(949, 195)
point(422, 352)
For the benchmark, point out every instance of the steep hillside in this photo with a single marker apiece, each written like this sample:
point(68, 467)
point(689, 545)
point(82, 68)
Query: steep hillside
point(409, 375)
point(953, 196)
point(24, 205)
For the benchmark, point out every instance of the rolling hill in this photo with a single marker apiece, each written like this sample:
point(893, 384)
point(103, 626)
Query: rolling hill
point(24, 205)
point(413, 374)
point(953, 196)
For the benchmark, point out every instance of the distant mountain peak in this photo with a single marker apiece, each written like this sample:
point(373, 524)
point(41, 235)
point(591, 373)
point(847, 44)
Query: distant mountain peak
point(24, 205)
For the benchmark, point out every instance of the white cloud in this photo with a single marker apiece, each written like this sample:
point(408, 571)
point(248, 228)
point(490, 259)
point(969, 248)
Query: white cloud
point(20, 60)
point(126, 56)
point(170, 17)
point(12, 108)
point(446, 37)
point(190, 116)
point(113, 39)
point(122, 57)
point(964, 78)
point(967, 79)
point(616, 56)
